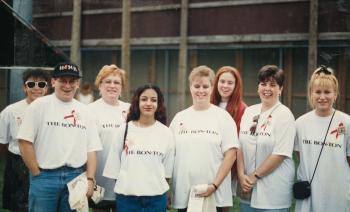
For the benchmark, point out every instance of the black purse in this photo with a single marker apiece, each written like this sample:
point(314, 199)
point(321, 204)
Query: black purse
point(302, 189)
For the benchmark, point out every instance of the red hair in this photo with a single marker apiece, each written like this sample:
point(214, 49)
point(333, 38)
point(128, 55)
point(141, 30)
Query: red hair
point(236, 98)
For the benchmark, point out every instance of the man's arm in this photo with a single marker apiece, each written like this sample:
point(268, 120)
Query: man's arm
point(28, 156)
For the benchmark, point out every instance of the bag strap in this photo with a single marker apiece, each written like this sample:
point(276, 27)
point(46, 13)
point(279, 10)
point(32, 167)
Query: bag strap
point(125, 133)
point(330, 122)
point(257, 136)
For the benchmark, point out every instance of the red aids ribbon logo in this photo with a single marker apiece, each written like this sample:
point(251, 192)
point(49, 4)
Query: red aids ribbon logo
point(73, 116)
point(267, 122)
point(339, 130)
point(126, 148)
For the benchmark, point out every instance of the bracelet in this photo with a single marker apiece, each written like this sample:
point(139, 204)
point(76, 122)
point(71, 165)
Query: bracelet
point(257, 176)
point(215, 186)
point(91, 179)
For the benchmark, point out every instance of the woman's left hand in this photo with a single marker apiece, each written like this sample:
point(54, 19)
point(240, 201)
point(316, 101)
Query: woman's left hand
point(211, 189)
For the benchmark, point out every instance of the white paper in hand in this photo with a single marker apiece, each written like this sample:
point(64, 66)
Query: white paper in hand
point(195, 203)
point(78, 188)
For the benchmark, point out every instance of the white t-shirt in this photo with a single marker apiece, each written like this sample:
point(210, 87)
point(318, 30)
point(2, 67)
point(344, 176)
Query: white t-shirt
point(62, 132)
point(108, 119)
point(10, 120)
point(202, 138)
point(86, 99)
point(223, 105)
point(330, 188)
point(276, 132)
point(146, 161)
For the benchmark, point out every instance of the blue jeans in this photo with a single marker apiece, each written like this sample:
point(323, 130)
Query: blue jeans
point(48, 192)
point(244, 207)
point(128, 203)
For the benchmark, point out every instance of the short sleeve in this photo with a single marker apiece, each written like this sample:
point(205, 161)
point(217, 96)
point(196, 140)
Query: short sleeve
point(29, 127)
point(113, 163)
point(94, 142)
point(229, 133)
point(4, 126)
point(169, 156)
point(284, 131)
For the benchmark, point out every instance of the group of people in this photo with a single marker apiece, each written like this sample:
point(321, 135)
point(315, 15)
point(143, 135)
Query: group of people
point(218, 141)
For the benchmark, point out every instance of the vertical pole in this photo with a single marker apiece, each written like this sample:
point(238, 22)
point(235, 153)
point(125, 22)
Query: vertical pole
point(126, 44)
point(152, 75)
point(75, 53)
point(288, 67)
point(313, 24)
point(342, 77)
point(239, 61)
point(183, 54)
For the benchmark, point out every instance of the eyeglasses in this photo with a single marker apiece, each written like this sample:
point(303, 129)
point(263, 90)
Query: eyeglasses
point(254, 125)
point(40, 84)
point(115, 82)
point(323, 69)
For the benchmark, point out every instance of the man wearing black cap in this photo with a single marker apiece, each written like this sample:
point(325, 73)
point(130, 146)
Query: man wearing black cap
point(58, 140)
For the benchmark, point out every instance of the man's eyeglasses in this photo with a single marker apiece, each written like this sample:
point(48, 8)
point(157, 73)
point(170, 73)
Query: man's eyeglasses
point(323, 69)
point(254, 125)
point(40, 84)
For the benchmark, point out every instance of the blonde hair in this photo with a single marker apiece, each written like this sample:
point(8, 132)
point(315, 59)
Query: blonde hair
point(202, 71)
point(110, 70)
point(322, 79)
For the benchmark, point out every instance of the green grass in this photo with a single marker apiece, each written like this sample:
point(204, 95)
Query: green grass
point(235, 207)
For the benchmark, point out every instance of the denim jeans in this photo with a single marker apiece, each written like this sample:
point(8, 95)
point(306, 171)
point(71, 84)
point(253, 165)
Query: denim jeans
point(48, 192)
point(128, 203)
point(244, 207)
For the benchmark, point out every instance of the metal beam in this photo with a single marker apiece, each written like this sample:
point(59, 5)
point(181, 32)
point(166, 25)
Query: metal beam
point(75, 53)
point(126, 43)
point(181, 84)
point(219, 39)
point(169, 7)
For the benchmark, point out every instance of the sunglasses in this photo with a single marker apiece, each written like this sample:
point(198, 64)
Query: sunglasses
point(323, 69)
point(254, 125)
point(40, 84)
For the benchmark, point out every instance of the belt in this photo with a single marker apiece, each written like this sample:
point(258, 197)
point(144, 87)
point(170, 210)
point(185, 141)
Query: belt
point(63, 168)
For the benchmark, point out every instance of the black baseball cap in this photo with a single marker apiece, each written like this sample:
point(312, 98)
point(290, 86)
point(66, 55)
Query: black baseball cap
point(66, 69)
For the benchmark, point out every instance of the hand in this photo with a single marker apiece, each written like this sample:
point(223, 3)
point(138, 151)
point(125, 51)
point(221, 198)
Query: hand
point(90, 190)
point(253, 179)
point(35, 172)
point(211, 189)
point(247, 183)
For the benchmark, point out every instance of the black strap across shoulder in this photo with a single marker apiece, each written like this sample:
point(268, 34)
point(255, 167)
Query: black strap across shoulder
point(125, 133)
point(330, 122)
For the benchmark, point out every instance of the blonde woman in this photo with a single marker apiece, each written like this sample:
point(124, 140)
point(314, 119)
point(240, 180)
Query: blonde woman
point(110, 113)
point(330, 186)
point(206, 142)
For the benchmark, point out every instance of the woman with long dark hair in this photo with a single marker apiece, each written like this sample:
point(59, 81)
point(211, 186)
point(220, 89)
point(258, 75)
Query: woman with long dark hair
point(142, 158)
